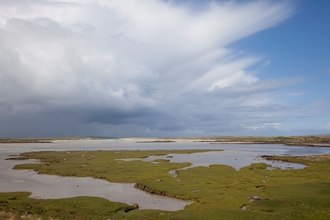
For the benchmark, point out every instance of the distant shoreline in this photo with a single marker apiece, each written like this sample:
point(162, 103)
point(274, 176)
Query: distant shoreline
point(308, 141)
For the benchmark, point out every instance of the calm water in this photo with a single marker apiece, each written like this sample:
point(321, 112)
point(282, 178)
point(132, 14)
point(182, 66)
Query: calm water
point(46, 186)
point(53, 187)
point(117, 144)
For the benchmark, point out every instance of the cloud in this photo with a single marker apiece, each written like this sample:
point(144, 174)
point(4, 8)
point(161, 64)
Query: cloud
point(152, 64)
point(327, 127)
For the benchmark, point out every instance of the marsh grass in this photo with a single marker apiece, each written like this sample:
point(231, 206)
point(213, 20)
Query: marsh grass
point(72, 208)
point(218, 191)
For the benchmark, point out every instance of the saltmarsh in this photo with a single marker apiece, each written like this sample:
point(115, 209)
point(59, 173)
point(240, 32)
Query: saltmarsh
point(218, 191)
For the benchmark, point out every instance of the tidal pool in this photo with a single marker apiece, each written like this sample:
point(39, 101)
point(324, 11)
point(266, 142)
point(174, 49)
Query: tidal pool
point(47, 186)
point(235, 159)
point(53, 187)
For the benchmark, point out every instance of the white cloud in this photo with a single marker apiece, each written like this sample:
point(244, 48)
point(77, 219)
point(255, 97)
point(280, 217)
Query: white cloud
point(328, 126)
point(144, 62)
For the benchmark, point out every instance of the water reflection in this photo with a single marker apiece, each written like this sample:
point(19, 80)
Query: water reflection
point(54, 187)
point(236, 159)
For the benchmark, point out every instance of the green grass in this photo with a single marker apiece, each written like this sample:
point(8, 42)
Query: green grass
point(278, 139)
point(218, 192)
point(72, 208)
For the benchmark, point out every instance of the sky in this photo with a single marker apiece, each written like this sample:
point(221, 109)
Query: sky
point(164, 68)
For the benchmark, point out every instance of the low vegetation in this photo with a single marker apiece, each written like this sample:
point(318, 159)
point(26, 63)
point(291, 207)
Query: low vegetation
point(23, 140)
point(48, 140)
point(218, 192)
point(292, 140)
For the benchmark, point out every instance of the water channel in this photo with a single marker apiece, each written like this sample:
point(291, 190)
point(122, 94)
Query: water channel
point(52, 187)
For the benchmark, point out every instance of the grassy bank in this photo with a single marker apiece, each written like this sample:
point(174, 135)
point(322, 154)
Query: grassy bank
point(45, 140)
point(290, 140)
point(218, 192)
